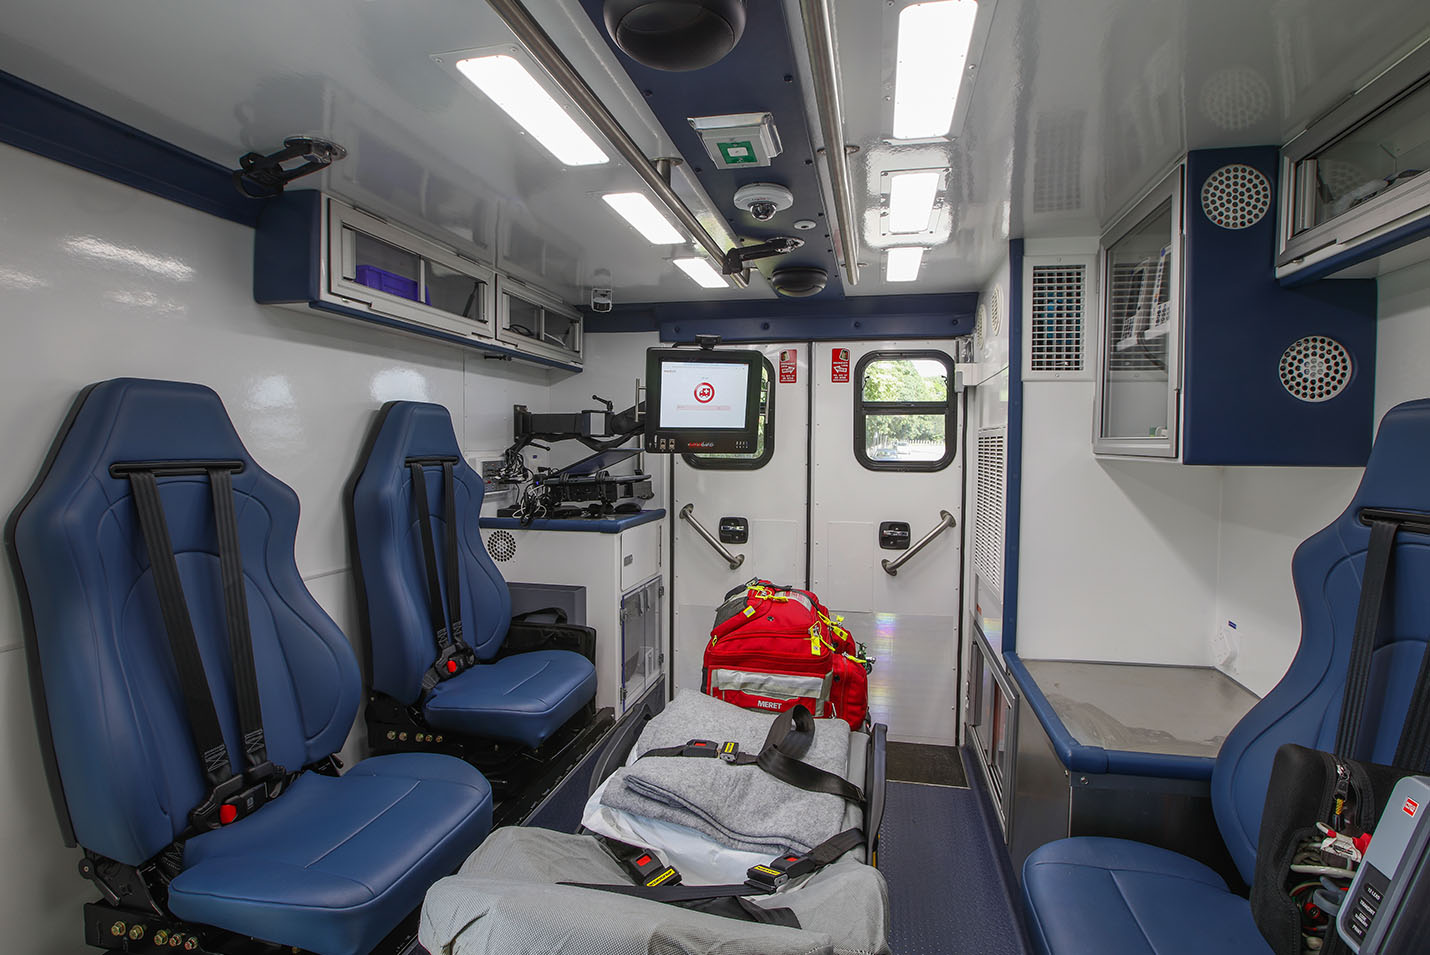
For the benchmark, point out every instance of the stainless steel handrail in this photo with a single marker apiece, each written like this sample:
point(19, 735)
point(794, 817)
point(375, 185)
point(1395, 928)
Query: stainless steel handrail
point(545, 51)
point(945, 521)
point(819, 38)
point(734, 560)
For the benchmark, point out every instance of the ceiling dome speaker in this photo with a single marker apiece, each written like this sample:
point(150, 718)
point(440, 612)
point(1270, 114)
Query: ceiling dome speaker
point(1315, 368)
point(675, 35)
point(797, 281)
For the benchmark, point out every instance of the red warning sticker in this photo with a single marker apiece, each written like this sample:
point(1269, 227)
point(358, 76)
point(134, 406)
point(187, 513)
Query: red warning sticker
point(1410, 807)
point(789, 366)
point(839, 369)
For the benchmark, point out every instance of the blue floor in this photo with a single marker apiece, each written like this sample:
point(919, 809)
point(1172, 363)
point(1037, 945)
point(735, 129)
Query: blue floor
point(950, 888)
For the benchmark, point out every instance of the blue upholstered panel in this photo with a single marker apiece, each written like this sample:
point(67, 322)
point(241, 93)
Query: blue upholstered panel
point(1125, 898)
point(122, 742)
point(334, 864)
point(389, 546)
point(523, 698)
point(1305, 706)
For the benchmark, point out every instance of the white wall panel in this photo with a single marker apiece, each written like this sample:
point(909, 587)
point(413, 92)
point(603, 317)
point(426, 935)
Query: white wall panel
point(98, 281)
point(1118, 558)
point(1403, 338)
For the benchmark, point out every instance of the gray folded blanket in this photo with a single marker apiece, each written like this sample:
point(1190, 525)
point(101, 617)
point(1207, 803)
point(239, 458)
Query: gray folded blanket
point(742, 807)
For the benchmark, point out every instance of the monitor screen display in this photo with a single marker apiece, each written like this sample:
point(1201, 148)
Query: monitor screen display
point(702, 401)
point(705, 395)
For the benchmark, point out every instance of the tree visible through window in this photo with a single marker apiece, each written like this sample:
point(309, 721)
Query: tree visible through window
point(903, 412)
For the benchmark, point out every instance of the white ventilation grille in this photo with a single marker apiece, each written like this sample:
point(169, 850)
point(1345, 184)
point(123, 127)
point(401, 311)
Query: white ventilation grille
point(988, 506)
point(1056, 340)
point(1236, 97)
point(501, 545)
point(1236, 196)
point(1057, 162)
point(995, 312)
point(1316, 368)
point(980, 329)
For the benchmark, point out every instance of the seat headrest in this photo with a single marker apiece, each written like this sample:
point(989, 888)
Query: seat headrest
point(1395, 475)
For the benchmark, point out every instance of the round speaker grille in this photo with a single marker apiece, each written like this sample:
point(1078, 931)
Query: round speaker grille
point(1236, 97)
point(1316, 368)
point(980, 329)
point(1236, 196)
point(501, 545)
point(995, 312)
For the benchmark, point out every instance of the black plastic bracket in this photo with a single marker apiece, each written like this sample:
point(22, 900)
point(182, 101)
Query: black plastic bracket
point(736, 258)
point(263, 177)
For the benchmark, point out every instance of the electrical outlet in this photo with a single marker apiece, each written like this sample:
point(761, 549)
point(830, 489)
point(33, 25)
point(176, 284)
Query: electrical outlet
point(490, 468)
point(1224, 643)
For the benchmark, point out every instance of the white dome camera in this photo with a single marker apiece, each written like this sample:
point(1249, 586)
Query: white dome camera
point(763, 199)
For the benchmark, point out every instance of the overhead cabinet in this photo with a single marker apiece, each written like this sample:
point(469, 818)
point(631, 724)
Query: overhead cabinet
point(315, 251)
point(1356, 183)
point(1203, 357)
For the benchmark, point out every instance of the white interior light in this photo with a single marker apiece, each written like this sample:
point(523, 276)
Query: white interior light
point(512, 88)
point(903, 264)
point(641, 213)
point(911, 196)
point(702, 272)
point(933, 49)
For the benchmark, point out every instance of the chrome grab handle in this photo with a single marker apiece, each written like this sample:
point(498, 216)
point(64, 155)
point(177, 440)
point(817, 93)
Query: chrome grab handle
point(891, 567)
point(734, 560)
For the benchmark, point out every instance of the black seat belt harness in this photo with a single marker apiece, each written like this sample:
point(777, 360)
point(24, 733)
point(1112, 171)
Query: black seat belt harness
point(232, 795)
point(453, 654)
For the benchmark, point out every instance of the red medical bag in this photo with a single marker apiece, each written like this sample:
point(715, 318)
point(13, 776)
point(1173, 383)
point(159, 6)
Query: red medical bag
point(773, 648)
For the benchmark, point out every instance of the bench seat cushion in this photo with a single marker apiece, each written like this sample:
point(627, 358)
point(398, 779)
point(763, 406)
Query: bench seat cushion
point(523, 698)
point(333, 864)
point(1117, 897)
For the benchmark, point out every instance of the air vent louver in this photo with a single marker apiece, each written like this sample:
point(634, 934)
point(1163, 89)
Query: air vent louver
point(1315, 368)
point(501, 545)
point(1055, 344)
point(988, 505)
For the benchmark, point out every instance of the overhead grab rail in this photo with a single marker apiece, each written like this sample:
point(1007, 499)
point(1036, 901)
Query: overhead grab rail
point(734, 560)
point(819, 38)
point(544, 50)
point(945, 521)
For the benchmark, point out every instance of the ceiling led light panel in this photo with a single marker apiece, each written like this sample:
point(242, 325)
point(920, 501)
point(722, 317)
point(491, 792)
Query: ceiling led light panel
point(507, 83)
point(911, 199)
point(932, 52)
point(903, 264)
point(644, 217)
point(702, 272)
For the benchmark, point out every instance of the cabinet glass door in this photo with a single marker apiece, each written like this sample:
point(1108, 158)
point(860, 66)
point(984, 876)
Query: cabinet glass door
point(1138, 376)
point(640, 641)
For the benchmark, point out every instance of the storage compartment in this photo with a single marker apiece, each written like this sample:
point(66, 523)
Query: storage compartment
point(641, 654)
point(1357, 181)
point(640, 554)
point(315, 251)
point(1203, 356)
point(533, 321)
point(991, 718)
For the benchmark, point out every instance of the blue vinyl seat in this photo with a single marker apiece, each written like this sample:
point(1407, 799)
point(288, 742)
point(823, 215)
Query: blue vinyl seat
point(1086, 895)
point(522, 698)
point(334, 862)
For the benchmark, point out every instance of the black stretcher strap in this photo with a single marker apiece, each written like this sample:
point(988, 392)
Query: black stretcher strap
point(193, 680)
point(789, 737)
point(763, 880)
point(240, 636)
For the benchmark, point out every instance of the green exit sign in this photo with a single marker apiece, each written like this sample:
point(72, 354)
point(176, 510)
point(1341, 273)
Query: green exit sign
point(738, 152)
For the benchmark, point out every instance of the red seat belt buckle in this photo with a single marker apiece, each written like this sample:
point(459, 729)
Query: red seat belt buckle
point(227, 813)
point(451, 666)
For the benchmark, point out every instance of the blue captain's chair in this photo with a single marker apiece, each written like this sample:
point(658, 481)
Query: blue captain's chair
point(1115, 896)
point(475, 685)
point(287, 850)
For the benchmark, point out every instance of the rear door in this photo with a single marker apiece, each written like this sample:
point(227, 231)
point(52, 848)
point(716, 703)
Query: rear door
point(886, 474)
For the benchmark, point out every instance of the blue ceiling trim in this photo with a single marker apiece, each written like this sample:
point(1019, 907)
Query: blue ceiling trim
point(49, 125)
point(759, 75)
point(944, 315)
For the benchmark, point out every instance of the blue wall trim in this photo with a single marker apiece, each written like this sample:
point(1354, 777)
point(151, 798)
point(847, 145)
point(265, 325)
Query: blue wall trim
point(781, 320)
point(49, 125)
point(1013, 477)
